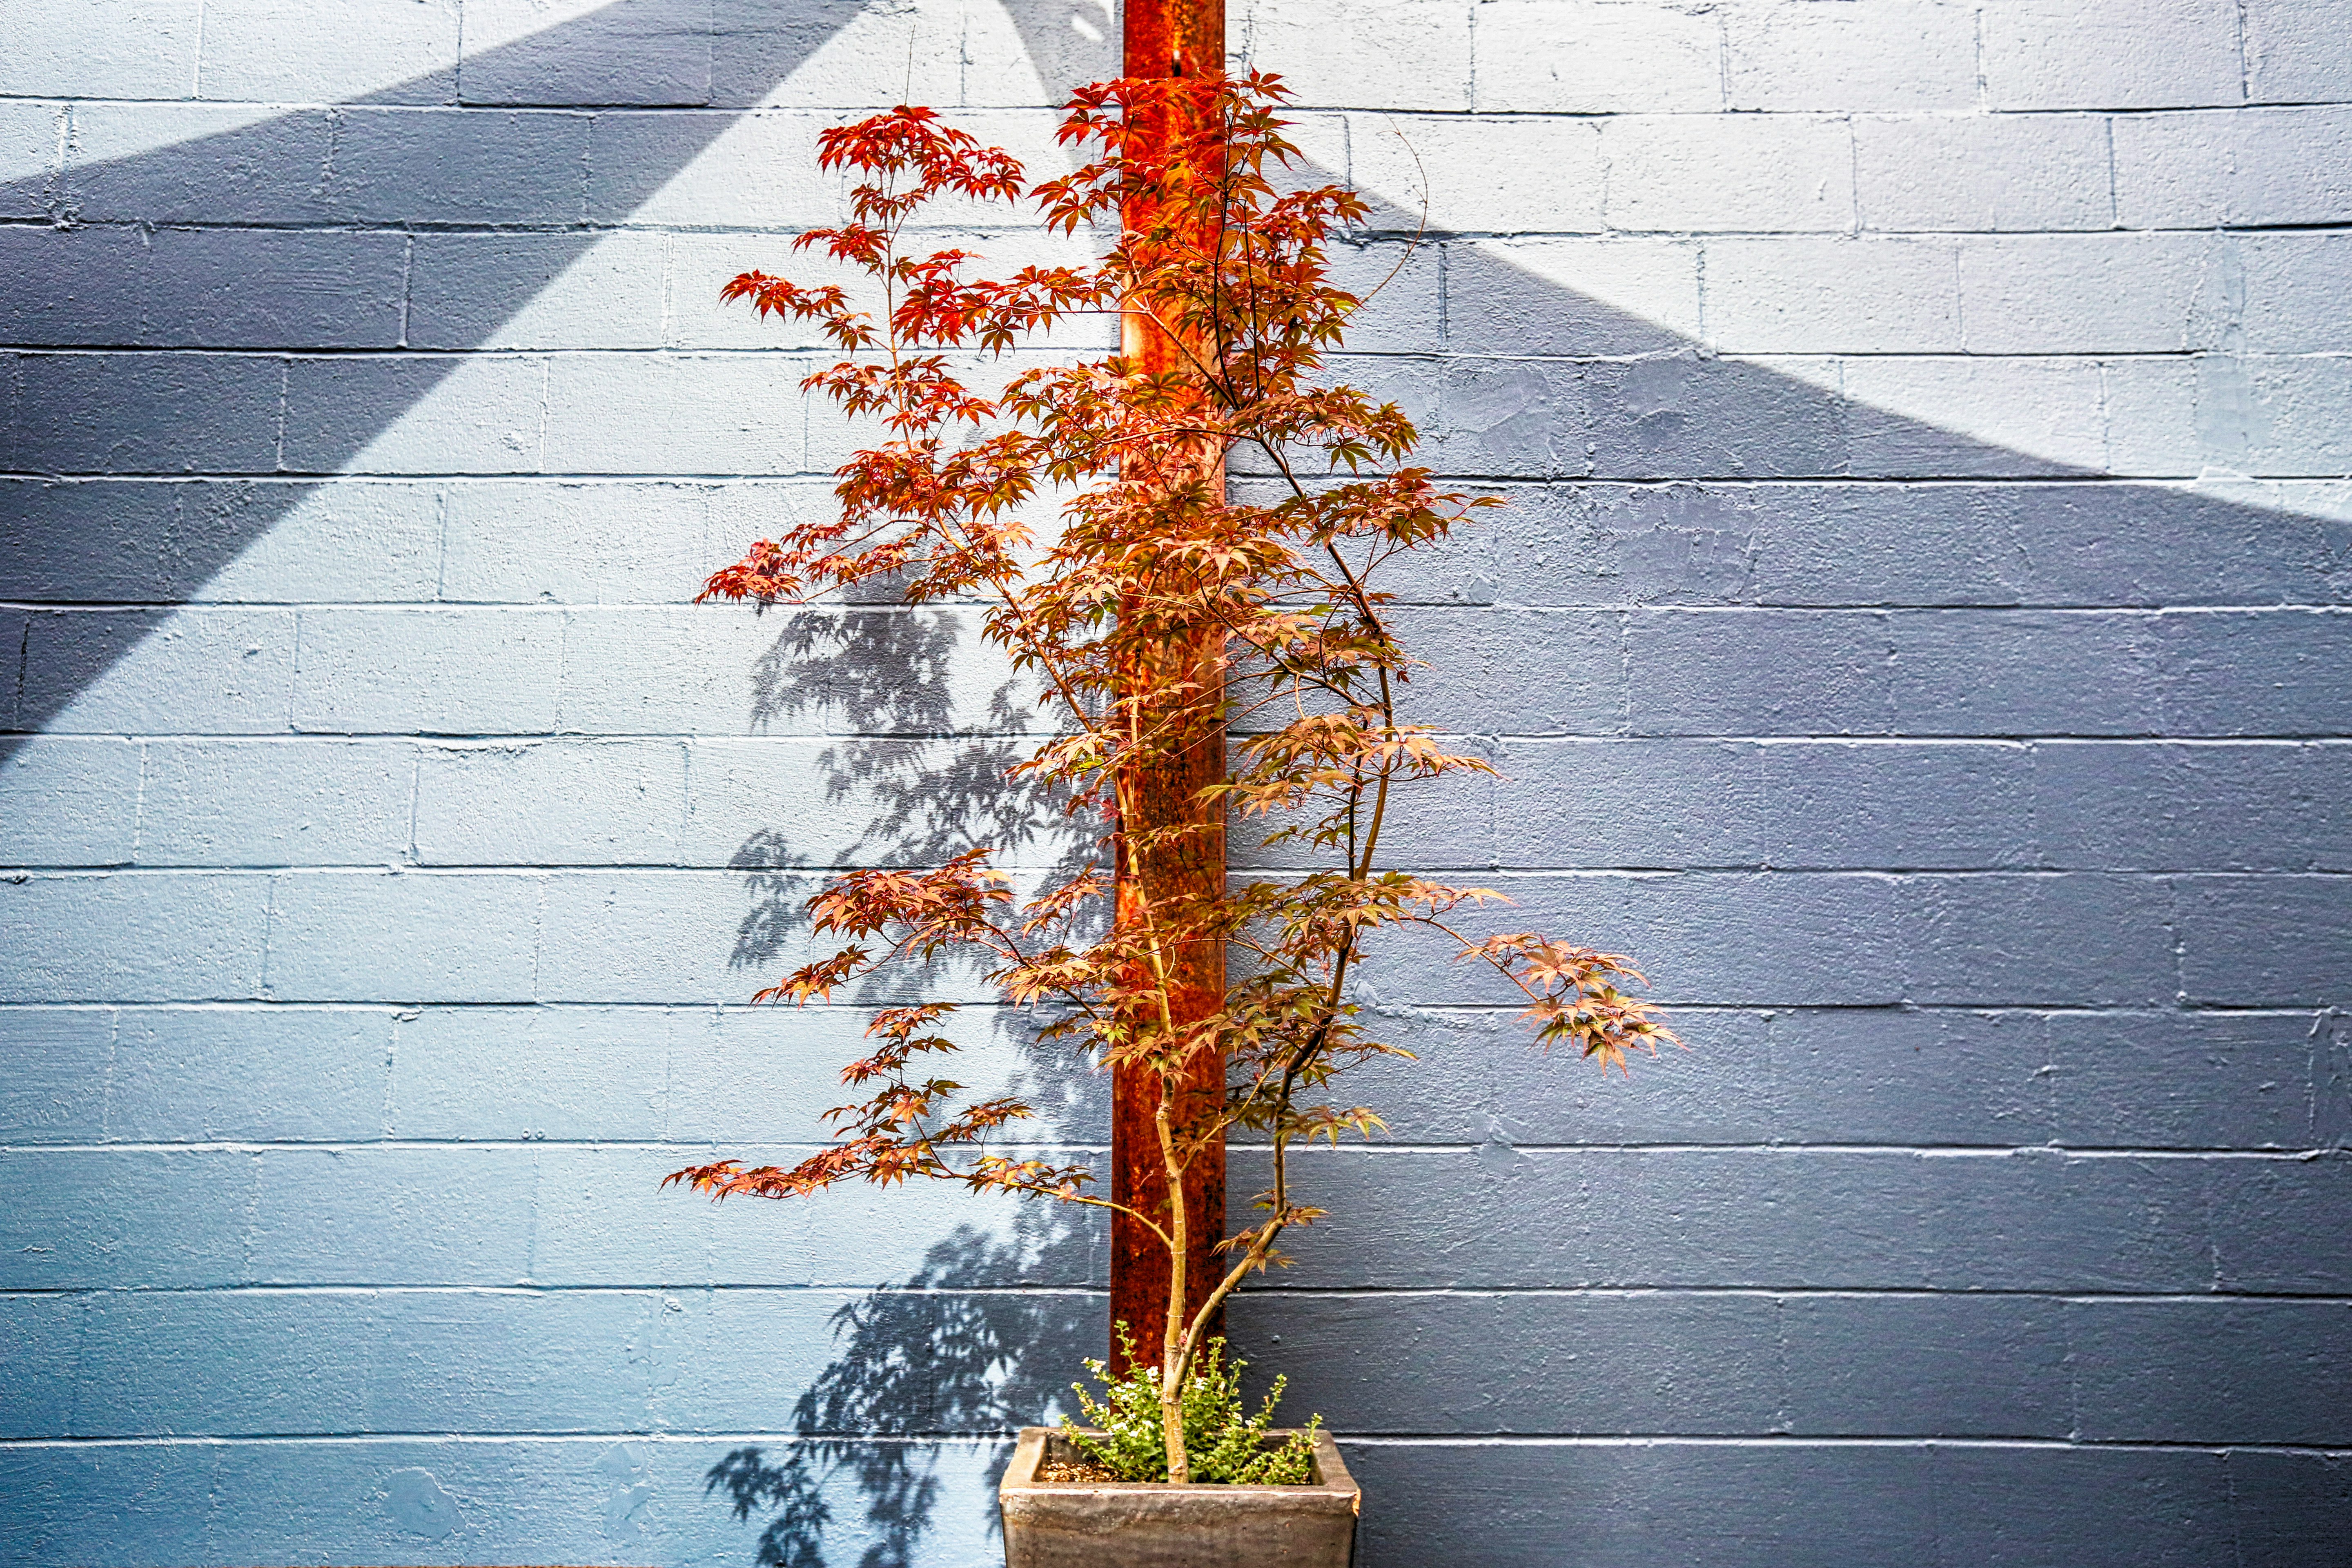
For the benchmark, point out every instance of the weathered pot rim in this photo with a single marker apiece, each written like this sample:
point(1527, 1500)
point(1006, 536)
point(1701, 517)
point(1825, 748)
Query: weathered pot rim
point(1335, 1491)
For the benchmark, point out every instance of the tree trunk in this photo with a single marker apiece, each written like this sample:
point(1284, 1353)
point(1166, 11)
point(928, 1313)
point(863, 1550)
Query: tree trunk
point(1167, 38)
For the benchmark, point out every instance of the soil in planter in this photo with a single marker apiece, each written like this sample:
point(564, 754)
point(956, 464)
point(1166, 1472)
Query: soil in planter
point(1075, 1472)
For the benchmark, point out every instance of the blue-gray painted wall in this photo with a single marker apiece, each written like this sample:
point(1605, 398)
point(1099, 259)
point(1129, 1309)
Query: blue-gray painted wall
point(1919, 636)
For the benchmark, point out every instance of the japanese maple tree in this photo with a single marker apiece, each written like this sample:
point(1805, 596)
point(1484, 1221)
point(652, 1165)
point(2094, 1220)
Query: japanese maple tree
point(1158, 615)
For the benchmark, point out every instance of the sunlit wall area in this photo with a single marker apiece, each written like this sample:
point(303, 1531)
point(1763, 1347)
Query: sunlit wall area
point(1918, 637)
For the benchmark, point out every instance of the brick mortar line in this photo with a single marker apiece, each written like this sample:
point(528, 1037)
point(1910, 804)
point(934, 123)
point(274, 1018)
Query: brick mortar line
point(1261, 1293)
point(2321, 1154)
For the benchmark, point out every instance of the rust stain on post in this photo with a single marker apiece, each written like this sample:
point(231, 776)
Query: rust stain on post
point(1172, 38)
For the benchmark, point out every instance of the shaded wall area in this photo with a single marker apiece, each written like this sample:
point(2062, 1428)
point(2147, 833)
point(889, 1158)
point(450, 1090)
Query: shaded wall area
point(1919, 635)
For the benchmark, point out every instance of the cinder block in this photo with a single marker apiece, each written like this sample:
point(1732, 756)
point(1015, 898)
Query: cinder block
point(1592, 56)
point(727, 670)
point(2272, 1230)
point(1803, 295)
point(106, 49)
point(348, 542)
point(131, 937)
point(32, 156)
point(1396, 54)
point(735, 414)
point(367, 670)
point(1937, 1077)
point(1632, 804)
point(2026, 672)
point(268, 1074)
point(1983, 171)
point(1522, 1363)
point(345, 936)
point(43, 1334)
point(73, 287)
point(210, 671)
point(2255, 672)
point(276, 802)
point(1698, 417)
point(1571, 297)
point(2213, 543)
point(198, 163)
point(392, 1216)
point(637, 52)
point(55, 1089)
point(1902, 1365)
point(87, 1219)
point(578, 1361)
point(1534, 175)
point(69, 802)
point(1957, 417)
point(2178, 419)
point(2252, 166)
point(1835, 544)
point(225, 1364)
point(701, 264)
point(2112, 1507)
point(458, 166)
point(1680, 173)
point(2070, 940)
point(624, 543)
point(146, 413)
point(2183, 1080)
point(1759, 672)
point(1880, 55)
point(2142, 808)
point(821, 56)
point(553, 803)
point(537, 291)
point(297, 51)
point(2264, 941)
point(1515, 672)
point(2132, 54)
point(2107, 293)
point(2208, 1372)
point(678, 168)
point(2285, 1503)
point(2300, 413)
point(1888, 806)
point(526, 1074)
point(1402, 290)
point(2296, 52)
point(425, 414)
point(2294, 284)
point(684, 937)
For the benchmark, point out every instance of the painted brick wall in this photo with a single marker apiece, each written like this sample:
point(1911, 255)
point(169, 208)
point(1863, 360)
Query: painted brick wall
point(1919, 635)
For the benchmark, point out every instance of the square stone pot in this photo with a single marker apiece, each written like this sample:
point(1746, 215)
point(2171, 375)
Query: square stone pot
point(1127, 1524)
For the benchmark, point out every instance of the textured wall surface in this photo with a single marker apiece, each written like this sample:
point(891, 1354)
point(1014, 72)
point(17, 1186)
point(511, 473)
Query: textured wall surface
point(1920, 636)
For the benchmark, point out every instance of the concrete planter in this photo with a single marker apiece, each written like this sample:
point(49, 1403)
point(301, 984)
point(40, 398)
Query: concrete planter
point(1074, 1525)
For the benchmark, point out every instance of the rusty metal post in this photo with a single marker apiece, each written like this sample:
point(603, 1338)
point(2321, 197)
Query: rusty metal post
point(1171, 39)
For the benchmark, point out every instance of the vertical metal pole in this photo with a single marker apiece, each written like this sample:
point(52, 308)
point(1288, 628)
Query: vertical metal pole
point(1171, 39)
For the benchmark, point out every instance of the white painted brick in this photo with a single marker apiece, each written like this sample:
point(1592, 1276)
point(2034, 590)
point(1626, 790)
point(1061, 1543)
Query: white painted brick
point(689, 937)
point(201, 669)
point(434, 671)
point(1489, 176)
point(1728, 171)
point(575, 293)
point(700, 266)
point(2297, 51)
point(328, 51)
point(408, 936)
point(69, 802)
point(2297, 289)
point(605, 543)
point(1983, 171)
point(350, 540)
point(566, 52)
point(1864, 54)
point(554, 802)
point(1832, 295)
point(1648, 281)
point(1364, 54)
point(1950, 415)
point(400, 414)
point(32, 154)
point(2111, 54)
point(136, 936)
point(2303, 416)
point(2105, 293)
point(99, 49)
point(530, 1073)
point(2251, 166)
point(276, 802)
point(197, 164)
point(1597, 56)
point(55, 1089)
point(2165, 419)
point(199, 1074)
point(731, 413)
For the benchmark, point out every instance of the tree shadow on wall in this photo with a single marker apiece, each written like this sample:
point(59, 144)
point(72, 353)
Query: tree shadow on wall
point(960, 1352)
